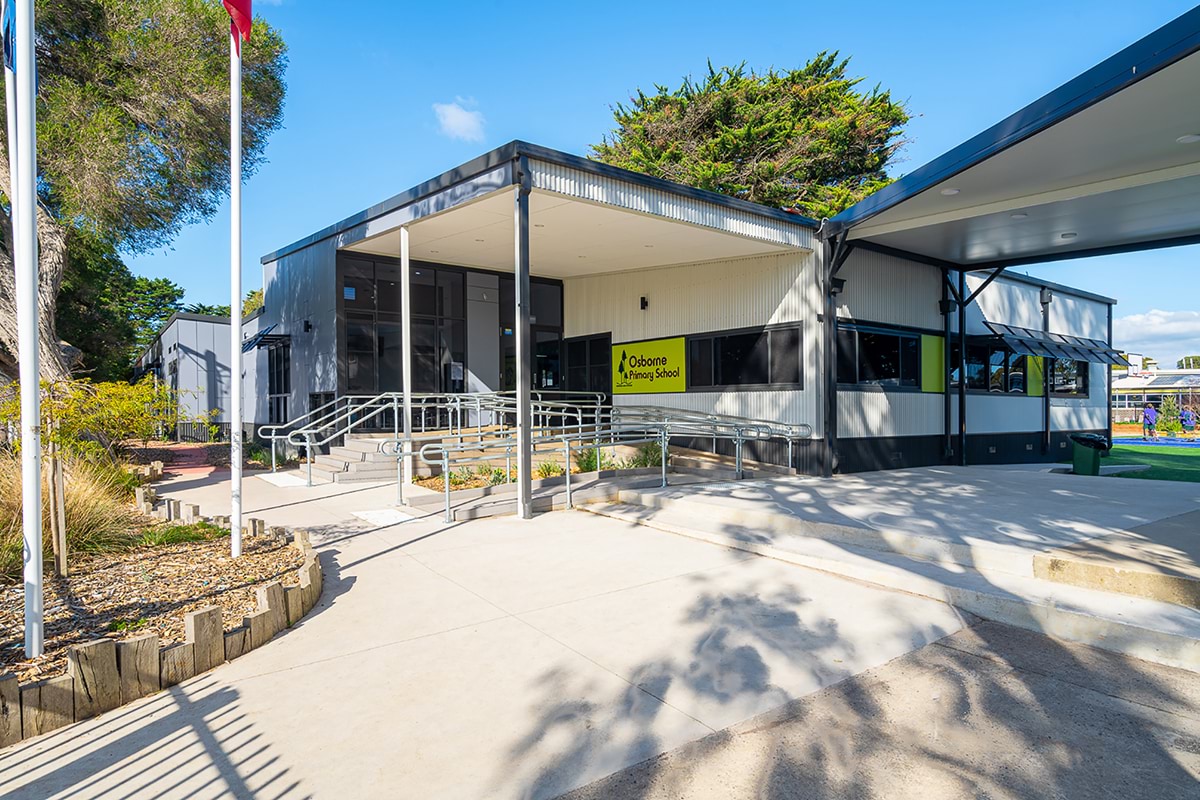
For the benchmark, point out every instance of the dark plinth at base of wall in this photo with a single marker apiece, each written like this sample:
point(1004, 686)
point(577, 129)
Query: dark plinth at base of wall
point(898, 452)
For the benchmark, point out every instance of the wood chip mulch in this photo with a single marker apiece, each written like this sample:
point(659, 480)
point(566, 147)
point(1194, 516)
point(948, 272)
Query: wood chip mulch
point(147, 590)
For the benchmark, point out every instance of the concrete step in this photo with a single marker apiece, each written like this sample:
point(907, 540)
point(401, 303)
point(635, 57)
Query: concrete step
point(1155, 631)
point(781, 522)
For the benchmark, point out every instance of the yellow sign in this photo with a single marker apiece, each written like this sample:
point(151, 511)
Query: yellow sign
point(652, 367)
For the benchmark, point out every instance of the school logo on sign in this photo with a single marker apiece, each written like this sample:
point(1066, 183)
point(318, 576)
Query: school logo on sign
point(651, 367)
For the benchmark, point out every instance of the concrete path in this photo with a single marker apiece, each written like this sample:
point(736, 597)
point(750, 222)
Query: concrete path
point(489, 659)
point(990, 712)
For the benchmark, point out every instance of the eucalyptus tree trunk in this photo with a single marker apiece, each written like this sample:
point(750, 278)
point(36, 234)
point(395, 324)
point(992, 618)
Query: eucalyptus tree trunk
point(52, 259)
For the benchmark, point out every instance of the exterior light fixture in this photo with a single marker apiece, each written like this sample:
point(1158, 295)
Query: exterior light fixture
point(307, 326)
point(1190, 138)
point(479, 240)
point(1069, 235)
point(645, 304)
point(538, 225)
point(950, 192)
point(1019, 215)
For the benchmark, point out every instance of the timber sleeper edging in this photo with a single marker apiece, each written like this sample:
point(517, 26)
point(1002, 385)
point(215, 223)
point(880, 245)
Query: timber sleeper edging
point(107, 673)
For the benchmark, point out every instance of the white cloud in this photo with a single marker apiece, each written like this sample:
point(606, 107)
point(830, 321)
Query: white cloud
point(457, 121)
point(1164, 335)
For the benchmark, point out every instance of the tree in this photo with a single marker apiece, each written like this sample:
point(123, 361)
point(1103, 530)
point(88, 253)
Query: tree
point(207, 310)
point(149, 305)
point(133, 141)
point(1188, 362)
point(806, 139)
point(93, 309)
point(253, 302)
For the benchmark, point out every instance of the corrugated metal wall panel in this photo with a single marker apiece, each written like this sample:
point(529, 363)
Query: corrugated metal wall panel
point(887, 289)
point(694, 298)
point(612, 192)
point(1079, 415)
point(1002, 414)
point(699, 298)
point(863, 413)
point(1078, 316)
point(1005, 302)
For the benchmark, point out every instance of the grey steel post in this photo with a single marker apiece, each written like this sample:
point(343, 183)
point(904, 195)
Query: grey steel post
point(406, 351)
point(662, 454)
point(524, 352)
point(272, 453)
point(309, 447)
point(567, 469)
point(446, 482)
point(738, 457)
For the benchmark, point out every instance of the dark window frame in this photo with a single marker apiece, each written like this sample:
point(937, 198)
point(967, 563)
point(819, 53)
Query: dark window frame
point(858, 328)
point(990, 348)
point(712, 338)
point(1083, 372)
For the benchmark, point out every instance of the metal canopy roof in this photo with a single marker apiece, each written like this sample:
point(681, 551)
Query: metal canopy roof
point(1105, 163)
point(264, 339)
point(1029, 342)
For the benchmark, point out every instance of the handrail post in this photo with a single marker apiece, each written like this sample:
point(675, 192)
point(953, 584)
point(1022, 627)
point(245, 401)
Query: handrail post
point(446, 482)
point(272, 453)
point(737, 469)
point(310, 457)
point(662, 453)
point(567, 469)
point(395, 417)
point(791, 463)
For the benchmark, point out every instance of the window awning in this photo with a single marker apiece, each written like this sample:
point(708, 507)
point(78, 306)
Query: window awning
point(1029, 342)
point(264, 339)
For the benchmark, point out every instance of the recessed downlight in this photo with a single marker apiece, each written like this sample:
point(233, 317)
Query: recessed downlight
point(1019, 215)
point(950, 192)
point(538, 225)
point(647, 245)
point(479, 240)
point(435, 251)
point(1189, 138)
point(1069, 235)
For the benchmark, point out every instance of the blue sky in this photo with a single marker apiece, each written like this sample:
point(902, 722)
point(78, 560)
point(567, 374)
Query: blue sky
point(384, 95)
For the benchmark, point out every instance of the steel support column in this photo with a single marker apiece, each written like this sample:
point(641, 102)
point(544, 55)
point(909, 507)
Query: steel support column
point(406, 353)
point(524, 352)
point(837, 250)
point(1047, 297)
point(1108, 380)
point(962, 370)
point(947, 307)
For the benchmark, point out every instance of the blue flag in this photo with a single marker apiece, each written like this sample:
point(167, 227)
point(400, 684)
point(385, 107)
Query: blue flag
point(10, 36)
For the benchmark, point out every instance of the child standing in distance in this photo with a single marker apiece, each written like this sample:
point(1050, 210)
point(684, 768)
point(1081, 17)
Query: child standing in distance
point(1149, 422)
point(1187, 418)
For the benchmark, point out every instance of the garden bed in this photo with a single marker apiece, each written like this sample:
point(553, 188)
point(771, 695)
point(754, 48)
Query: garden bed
point(144, 590)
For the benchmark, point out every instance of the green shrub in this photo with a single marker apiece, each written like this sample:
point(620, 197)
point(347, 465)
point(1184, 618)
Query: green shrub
point(549, 469)
point(496, 476)
point(648, 455)
point(594, 459)
point(179, 534)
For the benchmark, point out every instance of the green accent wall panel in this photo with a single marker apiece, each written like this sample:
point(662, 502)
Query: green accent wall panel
point(933, 365)
point(1036, 371)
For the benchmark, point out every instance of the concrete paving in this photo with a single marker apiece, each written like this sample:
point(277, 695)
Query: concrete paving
point(990, 712)
point(490, 659)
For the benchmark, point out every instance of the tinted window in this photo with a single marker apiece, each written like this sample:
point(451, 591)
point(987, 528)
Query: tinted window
point(741, 359)
point(547, 304)
point(700, 369)
point(785, 356)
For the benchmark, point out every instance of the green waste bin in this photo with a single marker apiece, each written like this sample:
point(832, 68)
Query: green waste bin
point(1089, 447)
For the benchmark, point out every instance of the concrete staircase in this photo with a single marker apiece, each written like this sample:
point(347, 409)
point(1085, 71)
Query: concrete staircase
point(997, 582)
point(358, 460)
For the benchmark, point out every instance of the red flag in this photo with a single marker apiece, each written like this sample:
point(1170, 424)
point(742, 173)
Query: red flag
point(241, 16)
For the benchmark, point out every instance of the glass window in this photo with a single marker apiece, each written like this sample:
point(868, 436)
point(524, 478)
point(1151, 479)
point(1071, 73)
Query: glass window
point(847, 355)
point(424, 291)
point(741, 359)
point(450, 293)
point(700, 363)
point(1016, 373)
point(358, 285)
point(387, 288)
point(878, 358)
point(977, 367)
point(389, 336)
point(997, 363)
point(1070, 377)
point(546, 303)
point(785, 355)
point(547, 371)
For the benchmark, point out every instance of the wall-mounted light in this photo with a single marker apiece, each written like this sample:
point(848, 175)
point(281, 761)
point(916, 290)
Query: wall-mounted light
point(645, 304)
point(1047, 296)
point(307, 326)
point(837, 285)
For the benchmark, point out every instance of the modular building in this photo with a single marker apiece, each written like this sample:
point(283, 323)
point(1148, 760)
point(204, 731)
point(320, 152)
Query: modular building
point(900, 330)
point(190, 354)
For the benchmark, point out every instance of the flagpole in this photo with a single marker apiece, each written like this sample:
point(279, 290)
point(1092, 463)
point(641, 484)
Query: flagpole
point(24, 201)
point(235, 280)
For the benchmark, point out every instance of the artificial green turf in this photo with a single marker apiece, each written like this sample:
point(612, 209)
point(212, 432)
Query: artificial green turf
point(1166, 463)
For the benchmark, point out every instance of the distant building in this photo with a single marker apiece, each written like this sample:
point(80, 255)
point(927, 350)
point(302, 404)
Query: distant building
point(191, 355)
point(1133, 389)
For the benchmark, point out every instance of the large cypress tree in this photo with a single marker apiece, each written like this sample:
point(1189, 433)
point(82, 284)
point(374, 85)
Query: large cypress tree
point(807, 139)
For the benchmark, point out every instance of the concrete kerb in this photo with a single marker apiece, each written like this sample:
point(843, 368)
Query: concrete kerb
point(108, 673)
